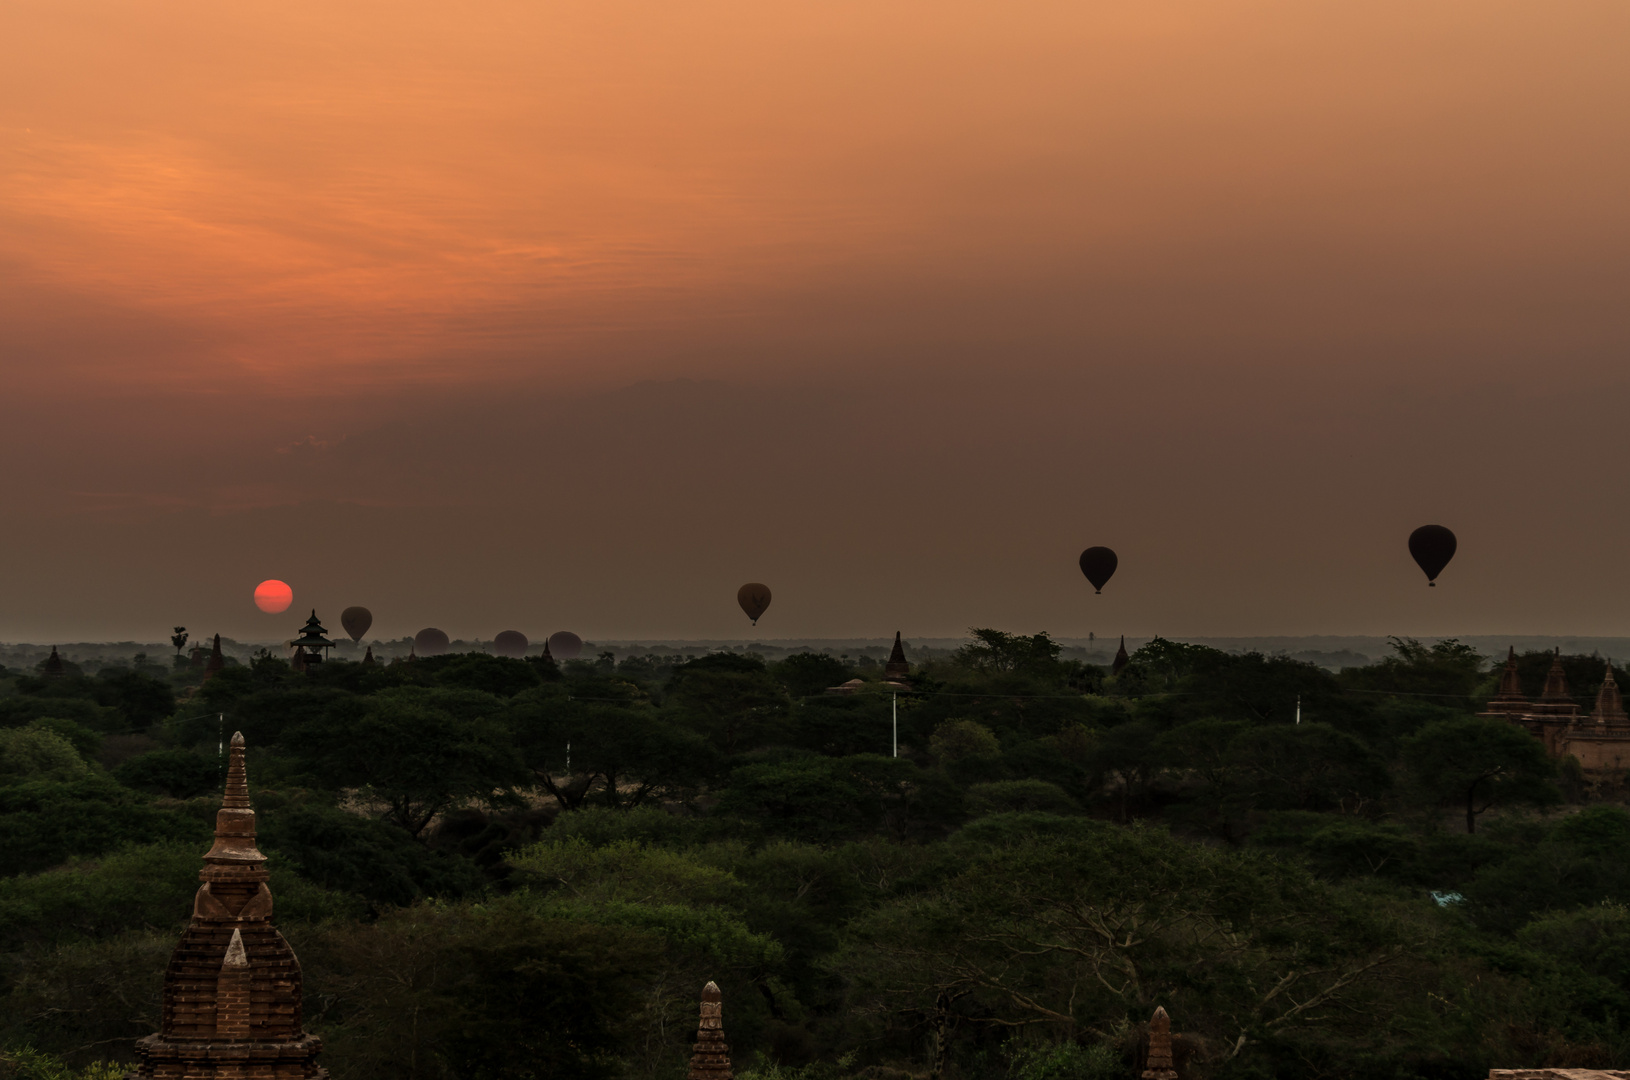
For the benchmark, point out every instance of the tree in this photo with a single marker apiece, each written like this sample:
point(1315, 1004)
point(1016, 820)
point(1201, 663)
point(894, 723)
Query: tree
point(733, 700)
point(179, 640)
point(998, 651)
point(808, 673)
point(605, 743)
point(1480, 763)
point(409, 749)
point(1084, 930)
point(1128, 755)
point(180, 774)
point(1448, 671)
point(1305, 767)
point(958, 740)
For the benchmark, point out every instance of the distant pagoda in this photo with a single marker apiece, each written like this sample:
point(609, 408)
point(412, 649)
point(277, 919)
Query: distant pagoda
point(216, 661)
point(897, 670)
point(232, 990)
point(309, 646)
point(1118, 665)
point(53, 667)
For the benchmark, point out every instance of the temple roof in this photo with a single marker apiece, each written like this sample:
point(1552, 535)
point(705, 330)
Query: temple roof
point(1510, 683)
point(1556, 681)
point(1121, 659)
point(312, 635)
point(1609, 703)
point(232, 993)
point(896, 667)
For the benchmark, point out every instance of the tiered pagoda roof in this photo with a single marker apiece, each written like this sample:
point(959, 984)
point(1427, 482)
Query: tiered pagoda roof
point(232, 991)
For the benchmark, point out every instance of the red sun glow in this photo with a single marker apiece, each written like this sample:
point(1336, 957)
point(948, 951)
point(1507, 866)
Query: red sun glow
point(273, 596)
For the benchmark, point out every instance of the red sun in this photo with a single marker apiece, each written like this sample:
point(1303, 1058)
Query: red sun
point(272, 596)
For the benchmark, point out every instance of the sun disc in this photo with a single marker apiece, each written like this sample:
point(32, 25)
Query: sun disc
point(273, 596)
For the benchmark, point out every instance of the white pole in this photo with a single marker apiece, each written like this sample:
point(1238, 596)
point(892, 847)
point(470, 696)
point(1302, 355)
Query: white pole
point(1298, 708)
point(895, 700)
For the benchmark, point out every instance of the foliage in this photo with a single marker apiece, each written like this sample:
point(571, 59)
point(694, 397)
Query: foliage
point(43, 823)
point(957, 740)
point(998, 651)
point(37, 753)
point(420, 752)
point(491, 866)
point(180, 774)
point(1479, 763)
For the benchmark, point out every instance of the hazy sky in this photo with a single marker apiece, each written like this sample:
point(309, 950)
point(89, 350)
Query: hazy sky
point(547, 315)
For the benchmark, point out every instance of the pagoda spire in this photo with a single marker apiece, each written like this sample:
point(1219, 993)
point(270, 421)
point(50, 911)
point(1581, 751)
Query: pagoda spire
point(1121, 659)
point(232, 990)
point(1510, 683)
point(216, 660)
point(1609, 703)
point(897, 668)
point(1556, 680)
point(710, 1057)
point(1158, 1064)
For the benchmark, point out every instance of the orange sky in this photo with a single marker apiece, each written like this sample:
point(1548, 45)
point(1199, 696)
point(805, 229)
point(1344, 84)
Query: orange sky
point(551, 315)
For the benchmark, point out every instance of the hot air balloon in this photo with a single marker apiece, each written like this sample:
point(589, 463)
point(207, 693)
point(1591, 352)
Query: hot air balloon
point(510, 643)
point(273, 596)
point(565, 645)
point(754, 599)
point(1432, 547)
point(430, 642)
point(1098, 563)
point(356, 621)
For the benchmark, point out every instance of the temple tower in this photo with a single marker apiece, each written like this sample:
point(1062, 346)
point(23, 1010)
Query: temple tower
point(1509, 701)
point(1121, 659)
point(309, 646)
point(1158, 1065)
point(1555, 711)
point(216, 660)
point(1556, 681)
point(710, 1057)
point(1609, 703)
point(897, 670)
point(53, 667)
point(232, 990)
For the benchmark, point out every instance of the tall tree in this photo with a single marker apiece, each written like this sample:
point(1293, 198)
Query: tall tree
point(1480, 763)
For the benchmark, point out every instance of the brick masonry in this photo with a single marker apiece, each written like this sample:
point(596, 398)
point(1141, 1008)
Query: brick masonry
point(232, 989)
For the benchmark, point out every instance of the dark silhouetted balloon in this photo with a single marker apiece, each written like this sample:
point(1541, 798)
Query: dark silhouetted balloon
point(356, 621)
point(430, 642)
point(1098, 563)
point(754, 599)
point(510, 643)
point(1432, 547)
point(565, 645)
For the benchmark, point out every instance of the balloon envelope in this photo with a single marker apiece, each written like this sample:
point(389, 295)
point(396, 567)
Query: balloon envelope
point(754, 599)
point(430, 642)
point(1098, 563)
point(272, 596)
point(356, 621)
point(1432, 546)
point(565, 645)
point(510, 643)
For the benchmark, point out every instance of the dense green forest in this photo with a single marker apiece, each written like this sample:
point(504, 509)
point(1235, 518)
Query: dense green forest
point(504, 868)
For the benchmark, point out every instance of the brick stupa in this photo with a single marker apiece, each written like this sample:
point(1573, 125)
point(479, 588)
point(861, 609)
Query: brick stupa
point(232, 990)
point(710, 1057)
point(1158, 1063)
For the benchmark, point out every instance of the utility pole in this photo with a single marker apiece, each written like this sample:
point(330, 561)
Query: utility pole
point(895, 706)
point(1298, 708)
